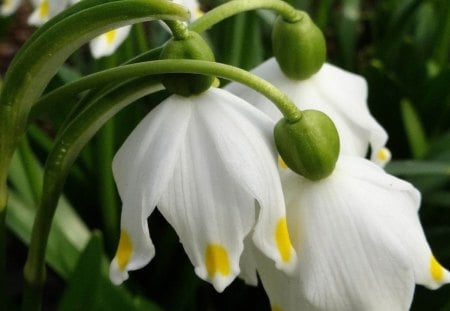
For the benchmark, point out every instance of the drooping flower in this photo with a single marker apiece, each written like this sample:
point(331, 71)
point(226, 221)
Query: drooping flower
point(339, 94)
point(359, 242)
point(203, 161)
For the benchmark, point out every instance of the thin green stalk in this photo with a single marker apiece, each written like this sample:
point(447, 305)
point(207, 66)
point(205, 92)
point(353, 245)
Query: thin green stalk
point(118, 74)
point(107, 194)
point(231, 8)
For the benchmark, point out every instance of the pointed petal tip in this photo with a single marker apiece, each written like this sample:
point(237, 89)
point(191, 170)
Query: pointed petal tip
point(289, 267)
point(218, 281)
point(116, 275)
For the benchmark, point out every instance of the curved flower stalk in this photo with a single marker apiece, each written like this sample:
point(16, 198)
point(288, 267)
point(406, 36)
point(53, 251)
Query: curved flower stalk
point(339, 94)
point(203, 160)
point(359, 242)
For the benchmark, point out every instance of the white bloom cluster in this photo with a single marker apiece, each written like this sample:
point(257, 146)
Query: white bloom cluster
point(351, 241)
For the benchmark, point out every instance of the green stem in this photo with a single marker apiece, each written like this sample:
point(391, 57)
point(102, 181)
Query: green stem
point(289, 13)
point(118, 74)
point(107, 193)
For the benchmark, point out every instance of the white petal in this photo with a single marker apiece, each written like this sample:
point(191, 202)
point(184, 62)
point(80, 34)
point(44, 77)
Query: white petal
point(350, 258)
point(403, 220)
point(107, 43)
point(142, 169)
point(8, 7)
point(243, 138)
point(210, 212)
point(339, 94)
point(284, 291)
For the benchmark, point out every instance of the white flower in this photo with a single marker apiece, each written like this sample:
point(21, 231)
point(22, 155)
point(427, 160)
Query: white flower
point(339, 94)
point(202, 160)
point(46, 9)
point(359, 242)
point(8, 7)
point(107, 43)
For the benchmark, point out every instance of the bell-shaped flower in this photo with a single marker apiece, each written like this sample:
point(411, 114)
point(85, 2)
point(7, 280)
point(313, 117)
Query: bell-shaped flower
point(339, 94)
point(203, 161)
point(107, 43)
point(8, 7)
point(359, 242)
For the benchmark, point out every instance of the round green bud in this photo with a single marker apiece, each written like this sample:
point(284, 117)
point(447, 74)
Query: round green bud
point(299, 47)
point(193, 47)
point(310, 146)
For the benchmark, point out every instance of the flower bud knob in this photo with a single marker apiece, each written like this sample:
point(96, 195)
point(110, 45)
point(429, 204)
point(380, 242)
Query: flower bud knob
point(299, 47)
point(193, 47)
point(310, 146)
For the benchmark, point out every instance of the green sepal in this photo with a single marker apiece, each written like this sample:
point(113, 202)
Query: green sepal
point(194, 47)
point(299, 47)
point(310, 146)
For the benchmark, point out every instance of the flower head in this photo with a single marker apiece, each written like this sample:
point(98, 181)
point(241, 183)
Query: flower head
point(339, 94)
point(359, 242)
point(203, 161)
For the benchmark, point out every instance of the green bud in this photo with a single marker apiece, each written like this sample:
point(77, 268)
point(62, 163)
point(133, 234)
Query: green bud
point(299, 47)
point(310, 146)
point(193, 47)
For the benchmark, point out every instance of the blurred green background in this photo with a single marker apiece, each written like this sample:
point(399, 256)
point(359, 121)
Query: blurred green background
point(400, 46)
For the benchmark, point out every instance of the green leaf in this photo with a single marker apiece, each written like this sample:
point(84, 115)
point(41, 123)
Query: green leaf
point(414, 130)
point(68, 234)
point(84, 284)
